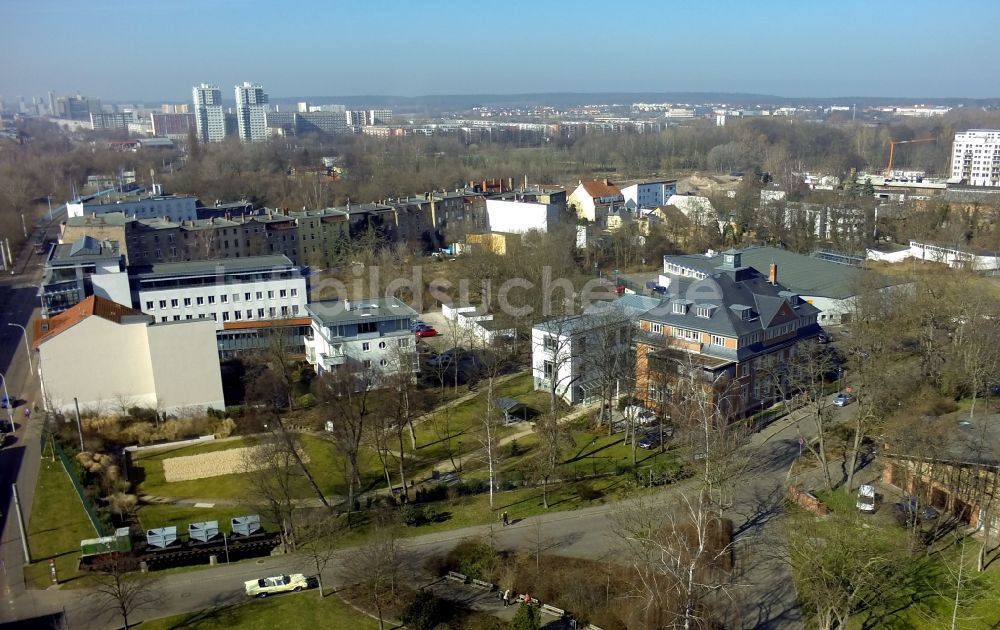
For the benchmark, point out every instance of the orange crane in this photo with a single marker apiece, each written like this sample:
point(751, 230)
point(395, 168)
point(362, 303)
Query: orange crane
point(892, 151)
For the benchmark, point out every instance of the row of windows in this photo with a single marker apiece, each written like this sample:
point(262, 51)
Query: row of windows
point(269, 313)
point(224, 298)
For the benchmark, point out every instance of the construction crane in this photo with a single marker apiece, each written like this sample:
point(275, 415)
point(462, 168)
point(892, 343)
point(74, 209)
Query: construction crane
point(892, 152)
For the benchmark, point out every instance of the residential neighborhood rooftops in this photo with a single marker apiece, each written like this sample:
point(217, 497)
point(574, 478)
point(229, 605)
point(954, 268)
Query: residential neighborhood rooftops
point(803, 274)
point(45, 329)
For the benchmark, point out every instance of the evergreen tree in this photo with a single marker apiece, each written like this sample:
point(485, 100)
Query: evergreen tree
point(525, 619)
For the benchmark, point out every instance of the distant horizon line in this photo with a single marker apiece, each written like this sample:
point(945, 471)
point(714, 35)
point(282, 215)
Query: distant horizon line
point(511, 97)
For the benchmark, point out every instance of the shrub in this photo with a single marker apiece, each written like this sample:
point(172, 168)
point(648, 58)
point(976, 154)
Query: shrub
point(472, 558)
point(587, 492)
point(143, 414)
point(305, 400)
point(425, 612)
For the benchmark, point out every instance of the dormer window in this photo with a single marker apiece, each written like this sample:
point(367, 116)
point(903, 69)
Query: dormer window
point(704, 310)
point(792, 298)
point(679, 309)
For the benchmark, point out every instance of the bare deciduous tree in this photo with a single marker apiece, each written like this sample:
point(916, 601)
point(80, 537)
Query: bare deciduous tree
point(271, 472)
point(125, 590)
point(265, 394)
point(374, 568)
point(346, 396)
point(679, 556)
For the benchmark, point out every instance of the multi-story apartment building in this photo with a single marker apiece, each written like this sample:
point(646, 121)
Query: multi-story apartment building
point(570, 352)
point(251, 108)
point(173, 125)
point(378, 117)
point(304, 123)
point(104, 120)
point(975, 157)
point(138, 204)
point(649, 194)
point(209, 117)
point(729, 333)
point(365, 335)
point(595, 199)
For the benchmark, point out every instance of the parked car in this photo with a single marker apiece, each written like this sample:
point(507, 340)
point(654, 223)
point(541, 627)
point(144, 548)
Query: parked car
point(824, 338)
point(910, 512)
point(652, 438)
point(426, 332)
point(6, 402)
point(842, 399)
point(278, 584)
point(867, 499)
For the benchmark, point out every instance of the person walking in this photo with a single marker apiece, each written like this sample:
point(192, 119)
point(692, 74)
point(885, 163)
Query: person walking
point(506, 598)
point(506, 520)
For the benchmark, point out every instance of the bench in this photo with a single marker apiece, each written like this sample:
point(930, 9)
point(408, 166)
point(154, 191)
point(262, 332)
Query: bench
point(552, 610)
point(457, 577)
point(483, 584)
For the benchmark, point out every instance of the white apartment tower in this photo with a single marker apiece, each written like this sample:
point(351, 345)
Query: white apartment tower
point(208, 115)
point(251, 105)
point(975, 157)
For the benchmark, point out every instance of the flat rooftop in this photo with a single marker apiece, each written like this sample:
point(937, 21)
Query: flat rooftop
point(214, 266)
point(329, 312)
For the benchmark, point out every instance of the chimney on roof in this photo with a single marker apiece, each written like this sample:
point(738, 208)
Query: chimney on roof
point(606, 182)
point(772, 275)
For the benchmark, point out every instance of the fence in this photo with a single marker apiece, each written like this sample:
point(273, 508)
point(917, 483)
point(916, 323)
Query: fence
point(88, 505)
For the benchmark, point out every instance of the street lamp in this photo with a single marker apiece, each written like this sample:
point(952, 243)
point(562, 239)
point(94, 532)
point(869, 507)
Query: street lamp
point(26, 347)
point(10, 403)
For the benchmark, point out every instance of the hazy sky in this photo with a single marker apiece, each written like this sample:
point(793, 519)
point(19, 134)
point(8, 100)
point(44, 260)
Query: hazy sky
point(155, 51)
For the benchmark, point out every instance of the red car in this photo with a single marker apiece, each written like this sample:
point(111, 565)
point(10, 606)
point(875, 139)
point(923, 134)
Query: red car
point(426, 332)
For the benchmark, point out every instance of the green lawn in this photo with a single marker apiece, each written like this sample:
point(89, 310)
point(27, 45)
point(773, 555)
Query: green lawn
point(298, 610)
point(323, 463)
point(57, 525)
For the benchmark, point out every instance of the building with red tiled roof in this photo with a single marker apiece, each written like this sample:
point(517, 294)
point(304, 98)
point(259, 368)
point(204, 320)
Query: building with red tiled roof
point(102, 354)
point(594, 200)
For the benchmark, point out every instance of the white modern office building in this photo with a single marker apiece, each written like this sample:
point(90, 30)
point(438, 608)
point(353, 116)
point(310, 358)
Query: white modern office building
point(649, 194)
point(975, 157)
point(251, 112)
point(210, 120)
point(231, 291)
point(139, 205)
point(371, 334)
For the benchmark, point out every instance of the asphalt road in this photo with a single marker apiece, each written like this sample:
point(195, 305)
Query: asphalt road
point(19, 458)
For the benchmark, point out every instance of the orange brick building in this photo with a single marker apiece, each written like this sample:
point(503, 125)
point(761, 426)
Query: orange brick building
point(730, 331)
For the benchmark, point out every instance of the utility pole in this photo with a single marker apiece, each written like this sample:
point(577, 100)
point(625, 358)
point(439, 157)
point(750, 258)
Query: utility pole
point(79, 428)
